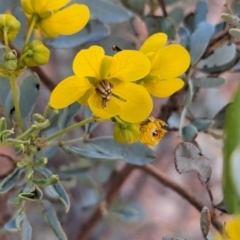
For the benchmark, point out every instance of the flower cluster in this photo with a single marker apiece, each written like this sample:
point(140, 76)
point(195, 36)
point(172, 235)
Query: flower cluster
point(121, 85)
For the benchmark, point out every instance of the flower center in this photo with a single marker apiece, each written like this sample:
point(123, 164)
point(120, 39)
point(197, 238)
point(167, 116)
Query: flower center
point(104, 90)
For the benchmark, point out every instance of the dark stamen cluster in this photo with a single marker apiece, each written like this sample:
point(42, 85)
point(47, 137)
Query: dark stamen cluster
point(104, 90)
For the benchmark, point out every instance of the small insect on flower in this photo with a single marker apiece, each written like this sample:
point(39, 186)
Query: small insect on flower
point(151, 131)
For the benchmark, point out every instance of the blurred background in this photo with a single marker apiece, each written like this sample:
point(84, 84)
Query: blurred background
point(143, 208)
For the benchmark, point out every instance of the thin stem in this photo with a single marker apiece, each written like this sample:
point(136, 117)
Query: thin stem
point(30, 30)
point(15, 96)
point(46, 111)
point(70, 128)
point(162, 6)
point(6, 39)
point(58, 143)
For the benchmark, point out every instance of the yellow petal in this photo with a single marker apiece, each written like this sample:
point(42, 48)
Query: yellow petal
point(170, 62)
point(84, 99)
point(68, 21)
point(38, 6)
point(55, 4)
point(233, 228)
point(154, 43)
point(111, 110)
point(68, 91)
point(163, 88)
point(88, 61)
point(138, 105)
point(27, 6)
point(105, 67)
point(129, 65)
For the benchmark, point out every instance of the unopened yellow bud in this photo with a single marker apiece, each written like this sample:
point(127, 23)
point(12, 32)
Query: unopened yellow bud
point(126, 133)
point(151, 131)
point(10, 25)
point(10, 60)
point(36, 54)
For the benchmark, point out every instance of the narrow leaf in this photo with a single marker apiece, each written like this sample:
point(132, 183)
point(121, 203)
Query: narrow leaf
point(136, 153)
point(26, 229)
point(57, 189)
point(91, 154)
point(9, 182)
point(52, 220)
point(15, 223)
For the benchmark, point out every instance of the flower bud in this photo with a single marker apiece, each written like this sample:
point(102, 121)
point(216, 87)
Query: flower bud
point(126, 133)
point(151, 131)
point(36, 54)
point(9, 24)
point(10, 59)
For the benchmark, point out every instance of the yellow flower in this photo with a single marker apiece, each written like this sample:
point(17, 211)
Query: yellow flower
point(104, 83)
point(151, 131)
point(231, 231)
point(167, 62)
point(53, 19)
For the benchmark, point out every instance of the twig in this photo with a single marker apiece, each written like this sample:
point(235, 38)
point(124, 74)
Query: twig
point(165, 180)
point(116, 181)
point(162, 6)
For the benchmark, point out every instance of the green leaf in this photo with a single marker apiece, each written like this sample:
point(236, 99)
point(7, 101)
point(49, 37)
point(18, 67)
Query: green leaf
point(136, 6)
point(188, 133)
point(200, 12)
point(199, 40)
point(231, 142)
point(89, 154)
point(52, 220)
point(15, 223)
point(136, 153)
point(202, 124)
point(176, 15)
point(107, 12)
point(29, 91)
point(208, 82)
point(9, 182)
point(220, 60)
point(57, 189)
point(160, 24)
point(188, 158)
point(26, 229)
point(93, 31)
